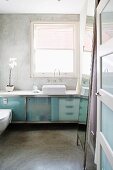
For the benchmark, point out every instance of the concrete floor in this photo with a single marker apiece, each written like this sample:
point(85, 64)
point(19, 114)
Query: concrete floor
point(34, 149)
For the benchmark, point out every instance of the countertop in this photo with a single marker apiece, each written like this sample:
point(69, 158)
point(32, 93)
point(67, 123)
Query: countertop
point(36, 94)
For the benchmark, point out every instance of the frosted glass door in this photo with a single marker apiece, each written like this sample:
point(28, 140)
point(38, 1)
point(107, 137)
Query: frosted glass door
point(104, 144)
point(107, 22)
point(107, 124)
point(107, 73)
point(105, 165)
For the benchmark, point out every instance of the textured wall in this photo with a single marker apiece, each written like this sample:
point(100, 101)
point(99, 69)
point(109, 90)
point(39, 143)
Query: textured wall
point(15, 42)
point(82, 34)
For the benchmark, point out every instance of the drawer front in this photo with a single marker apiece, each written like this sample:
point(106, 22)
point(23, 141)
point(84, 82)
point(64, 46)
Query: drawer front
point(69, 115)
point(67, 102)
point(69, 109)
point(66, 110)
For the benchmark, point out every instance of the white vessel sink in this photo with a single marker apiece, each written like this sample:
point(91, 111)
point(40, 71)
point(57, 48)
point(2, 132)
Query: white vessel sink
point(54, 89)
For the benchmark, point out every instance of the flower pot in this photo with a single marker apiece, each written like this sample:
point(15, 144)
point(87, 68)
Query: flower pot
point(9, 88)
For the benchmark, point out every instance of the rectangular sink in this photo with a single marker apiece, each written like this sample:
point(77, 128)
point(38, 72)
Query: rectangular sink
point(54, 89)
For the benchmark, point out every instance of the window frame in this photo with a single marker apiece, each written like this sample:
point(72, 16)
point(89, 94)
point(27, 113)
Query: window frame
point(76, 59)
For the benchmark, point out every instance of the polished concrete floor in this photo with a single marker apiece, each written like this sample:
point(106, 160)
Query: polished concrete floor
point(40, 149)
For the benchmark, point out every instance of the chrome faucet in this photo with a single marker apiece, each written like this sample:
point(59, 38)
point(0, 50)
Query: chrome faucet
point(55, 72)
point(59, 73)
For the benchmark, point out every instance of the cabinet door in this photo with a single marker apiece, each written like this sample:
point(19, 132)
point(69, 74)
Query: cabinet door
point(68, 109)
point(83, 110)
point(18, 106)
point(38, 109)
point(54, 108)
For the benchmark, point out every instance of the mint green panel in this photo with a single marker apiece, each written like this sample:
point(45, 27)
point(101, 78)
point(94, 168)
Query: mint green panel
point(18, 106)
point(105, 165)
point(107, 124)
point(38, 109)
point(54, 108)
point(68, 109)
point(83, 110)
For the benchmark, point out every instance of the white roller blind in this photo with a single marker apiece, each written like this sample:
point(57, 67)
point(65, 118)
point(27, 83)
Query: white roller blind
point(53, 36)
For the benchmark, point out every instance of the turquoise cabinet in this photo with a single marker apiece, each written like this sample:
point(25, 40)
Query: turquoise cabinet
point(68, 109)
point(64, 108)
point(54, 108)
point(81, 130)
point(83, 110)
point(38, 109)
point(18, 106)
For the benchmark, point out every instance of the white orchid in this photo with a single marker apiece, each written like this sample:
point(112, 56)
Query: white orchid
point(12, 64)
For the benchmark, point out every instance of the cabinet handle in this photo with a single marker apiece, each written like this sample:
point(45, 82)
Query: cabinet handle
point(69, 106)
point(97, 94)
point(69, 113)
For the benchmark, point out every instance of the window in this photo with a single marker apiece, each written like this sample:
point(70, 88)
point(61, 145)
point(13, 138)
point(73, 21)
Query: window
point(53, 47)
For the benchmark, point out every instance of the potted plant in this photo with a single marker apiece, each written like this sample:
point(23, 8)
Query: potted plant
point(12, 64)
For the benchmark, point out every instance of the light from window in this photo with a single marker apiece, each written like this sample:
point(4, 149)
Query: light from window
point(88, 39)
point(53, 47)
point(87, 53)
point(86, 63)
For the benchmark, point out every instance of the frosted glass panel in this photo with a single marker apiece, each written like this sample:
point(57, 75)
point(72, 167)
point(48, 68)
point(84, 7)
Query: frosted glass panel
point(105, 165)
point(107, 22)
point(107, 124)
point(107, 73)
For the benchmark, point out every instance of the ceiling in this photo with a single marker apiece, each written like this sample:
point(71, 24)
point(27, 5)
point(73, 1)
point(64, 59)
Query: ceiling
point(42, 6)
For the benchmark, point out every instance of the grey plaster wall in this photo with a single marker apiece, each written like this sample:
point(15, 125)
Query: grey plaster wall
point(15, 42)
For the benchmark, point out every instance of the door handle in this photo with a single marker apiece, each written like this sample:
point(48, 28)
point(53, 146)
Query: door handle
point(97, 94)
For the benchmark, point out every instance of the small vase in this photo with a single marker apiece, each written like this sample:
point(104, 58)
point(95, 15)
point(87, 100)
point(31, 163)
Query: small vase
point(9, 88)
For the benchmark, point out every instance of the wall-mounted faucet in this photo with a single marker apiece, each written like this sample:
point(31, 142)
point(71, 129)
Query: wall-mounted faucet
point(55, 71)
point(59, 73)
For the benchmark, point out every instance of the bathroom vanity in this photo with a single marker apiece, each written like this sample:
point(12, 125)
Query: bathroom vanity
point(32, 107)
